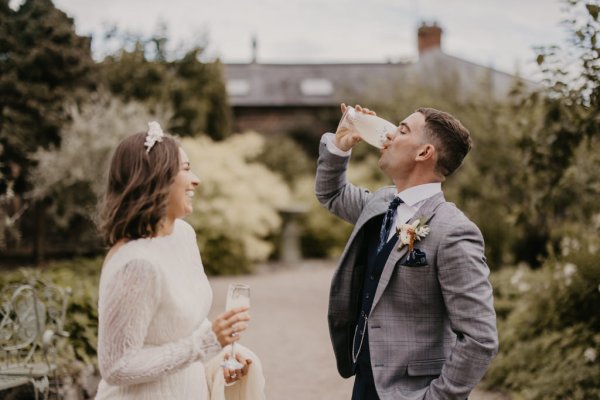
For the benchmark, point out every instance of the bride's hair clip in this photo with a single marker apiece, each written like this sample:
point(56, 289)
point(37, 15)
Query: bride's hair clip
point(155, 134)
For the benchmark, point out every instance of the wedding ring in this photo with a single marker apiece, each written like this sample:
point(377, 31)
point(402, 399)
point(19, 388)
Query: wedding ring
point(233, 376)
point(234, 334)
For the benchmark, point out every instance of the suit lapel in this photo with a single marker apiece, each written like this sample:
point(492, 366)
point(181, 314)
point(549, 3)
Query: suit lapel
point(376, 207)
point(427, 209)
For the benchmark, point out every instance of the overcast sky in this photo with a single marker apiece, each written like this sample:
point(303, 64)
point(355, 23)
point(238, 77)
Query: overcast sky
point(497, 33)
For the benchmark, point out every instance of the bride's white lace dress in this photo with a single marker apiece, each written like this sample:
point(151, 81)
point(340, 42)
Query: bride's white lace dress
point(153, 333)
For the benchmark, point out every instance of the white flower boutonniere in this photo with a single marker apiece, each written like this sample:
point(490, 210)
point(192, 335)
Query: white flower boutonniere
point(408, 234)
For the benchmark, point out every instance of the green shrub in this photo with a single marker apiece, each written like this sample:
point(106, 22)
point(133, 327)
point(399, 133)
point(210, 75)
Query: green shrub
point(82, 276)
point(284, 156)
point(323, 234)
point(549, 325)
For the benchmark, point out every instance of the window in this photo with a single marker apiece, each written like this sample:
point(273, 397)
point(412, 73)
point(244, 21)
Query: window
point(238, 87)
point(316, 87)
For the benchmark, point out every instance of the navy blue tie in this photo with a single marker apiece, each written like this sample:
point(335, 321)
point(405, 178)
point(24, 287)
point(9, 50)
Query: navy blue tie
point(388, 219)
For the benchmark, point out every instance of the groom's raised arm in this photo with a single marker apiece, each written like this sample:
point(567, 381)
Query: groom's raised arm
point(332, 188)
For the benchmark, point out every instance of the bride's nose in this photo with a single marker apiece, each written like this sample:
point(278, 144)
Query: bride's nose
point(195, 180)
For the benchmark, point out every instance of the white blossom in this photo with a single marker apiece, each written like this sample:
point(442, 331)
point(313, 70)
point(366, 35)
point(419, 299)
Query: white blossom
point(523, 287)
point(404, 235)
point(239, 198)
point(569, 269)
point(516, 278)
point(423, 231)
point(414, 231)
point(590, 355)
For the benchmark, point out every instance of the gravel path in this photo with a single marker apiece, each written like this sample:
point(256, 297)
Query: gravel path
point(289, 332)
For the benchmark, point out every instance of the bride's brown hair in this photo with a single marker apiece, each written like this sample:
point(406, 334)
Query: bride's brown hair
point(136, 196)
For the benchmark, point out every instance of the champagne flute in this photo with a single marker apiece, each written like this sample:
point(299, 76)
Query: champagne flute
point(238, 295)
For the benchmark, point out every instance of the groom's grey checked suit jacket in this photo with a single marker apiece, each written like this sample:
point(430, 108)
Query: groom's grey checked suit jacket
point(432, 329)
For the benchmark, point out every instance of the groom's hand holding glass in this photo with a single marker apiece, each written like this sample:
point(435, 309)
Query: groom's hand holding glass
point(345, 136)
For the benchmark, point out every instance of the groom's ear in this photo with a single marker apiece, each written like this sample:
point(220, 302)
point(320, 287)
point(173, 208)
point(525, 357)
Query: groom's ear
point(426, 152)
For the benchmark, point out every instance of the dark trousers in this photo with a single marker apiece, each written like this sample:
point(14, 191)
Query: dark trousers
point(364, 388)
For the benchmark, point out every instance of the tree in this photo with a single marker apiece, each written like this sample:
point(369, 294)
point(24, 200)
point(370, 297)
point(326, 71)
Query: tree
point(193, 89)
point(43, 63)
point(563, 132)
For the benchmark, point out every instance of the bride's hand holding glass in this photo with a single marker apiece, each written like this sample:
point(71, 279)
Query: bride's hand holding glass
point(227, 326)
point(233, 375)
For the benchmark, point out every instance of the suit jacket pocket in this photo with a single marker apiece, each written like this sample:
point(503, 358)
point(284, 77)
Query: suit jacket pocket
point(425, 367)
point(420, 266)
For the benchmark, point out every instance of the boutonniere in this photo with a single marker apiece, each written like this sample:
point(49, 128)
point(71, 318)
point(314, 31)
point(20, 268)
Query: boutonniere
point(408, 234)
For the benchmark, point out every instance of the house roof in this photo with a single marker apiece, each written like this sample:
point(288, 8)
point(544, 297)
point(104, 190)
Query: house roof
point(256, 84)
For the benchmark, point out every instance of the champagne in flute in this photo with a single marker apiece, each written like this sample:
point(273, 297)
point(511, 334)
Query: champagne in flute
point(370, 128)
point(238, 295)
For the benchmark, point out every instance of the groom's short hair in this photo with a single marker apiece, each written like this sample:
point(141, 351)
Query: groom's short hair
point(450, 138)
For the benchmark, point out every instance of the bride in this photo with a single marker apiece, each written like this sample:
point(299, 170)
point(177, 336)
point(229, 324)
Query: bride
point(153, 334)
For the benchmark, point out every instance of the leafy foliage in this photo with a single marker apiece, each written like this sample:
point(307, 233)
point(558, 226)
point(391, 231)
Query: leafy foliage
point(549, 324)
point(285, 157)
point(73, 176)
point(43, 64)
point(82, 276)
point(236, 209)
point(193, 89)
point(564, 132)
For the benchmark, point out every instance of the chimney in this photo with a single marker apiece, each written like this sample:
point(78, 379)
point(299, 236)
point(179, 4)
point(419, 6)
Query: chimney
point(429, 37)
point(254, 48)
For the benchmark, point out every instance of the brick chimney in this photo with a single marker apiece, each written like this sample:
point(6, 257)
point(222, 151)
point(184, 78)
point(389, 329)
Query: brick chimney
point(429, 37)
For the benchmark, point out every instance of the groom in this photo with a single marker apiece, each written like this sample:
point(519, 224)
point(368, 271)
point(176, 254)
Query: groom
point(411, 317)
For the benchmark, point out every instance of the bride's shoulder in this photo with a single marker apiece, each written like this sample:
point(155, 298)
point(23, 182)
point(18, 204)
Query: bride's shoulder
point(113, 250)
point(185, 228)
point(183, 225)
point(123, 252)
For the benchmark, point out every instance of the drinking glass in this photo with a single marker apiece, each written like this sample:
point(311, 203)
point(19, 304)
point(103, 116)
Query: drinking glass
point(238, 295)
point(371, 128)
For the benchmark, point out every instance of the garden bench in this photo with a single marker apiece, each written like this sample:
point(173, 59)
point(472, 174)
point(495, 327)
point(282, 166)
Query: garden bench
point(32, 317)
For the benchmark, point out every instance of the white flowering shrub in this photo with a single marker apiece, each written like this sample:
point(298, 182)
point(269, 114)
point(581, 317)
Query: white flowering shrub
point(72, 177)
point(549, 323)
point(87, 143)
point(236, 205)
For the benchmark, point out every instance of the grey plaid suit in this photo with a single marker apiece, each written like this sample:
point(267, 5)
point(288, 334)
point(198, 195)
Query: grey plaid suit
point(432, 329)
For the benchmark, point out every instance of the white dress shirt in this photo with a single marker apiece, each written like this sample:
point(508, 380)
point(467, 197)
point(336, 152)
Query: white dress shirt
point(412, 197)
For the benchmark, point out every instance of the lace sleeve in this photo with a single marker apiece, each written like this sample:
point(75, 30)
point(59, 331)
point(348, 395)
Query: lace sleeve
point(126, 309)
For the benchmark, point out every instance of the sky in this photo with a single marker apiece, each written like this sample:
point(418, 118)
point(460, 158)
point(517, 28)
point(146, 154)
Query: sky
point(495, 33)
